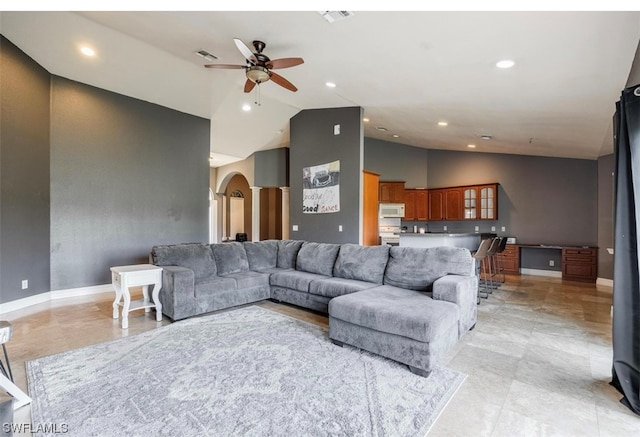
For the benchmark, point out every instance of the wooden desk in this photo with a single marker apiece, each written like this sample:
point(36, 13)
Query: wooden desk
point(578, 263)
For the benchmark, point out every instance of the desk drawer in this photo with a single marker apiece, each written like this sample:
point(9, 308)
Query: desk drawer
point(579, 264)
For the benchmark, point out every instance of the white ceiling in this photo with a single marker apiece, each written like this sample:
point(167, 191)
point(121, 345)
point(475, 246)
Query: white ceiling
point(408, 70)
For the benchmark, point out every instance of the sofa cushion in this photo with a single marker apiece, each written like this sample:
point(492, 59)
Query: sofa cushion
point(417, 268)
point(333, 287)
point(393, 310)
point(262, 254)
point(317, 258)
point(230, 258)
point(249, 279)
point(208, 286)
point(364, 263)
point(195, 256)
point(287, 253)
point(294, 279)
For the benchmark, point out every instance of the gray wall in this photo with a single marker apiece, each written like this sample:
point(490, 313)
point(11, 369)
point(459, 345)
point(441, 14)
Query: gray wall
point(24, 174)
point(272, 168)
point(313, 143)
point(605, 215)
point(396, 162)
point(125, 175)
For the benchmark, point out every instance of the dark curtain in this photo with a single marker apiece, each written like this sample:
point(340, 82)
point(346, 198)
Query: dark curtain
point(626, 284)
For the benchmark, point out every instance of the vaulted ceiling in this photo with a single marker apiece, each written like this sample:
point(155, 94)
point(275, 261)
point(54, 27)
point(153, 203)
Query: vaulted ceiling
point(408, 70)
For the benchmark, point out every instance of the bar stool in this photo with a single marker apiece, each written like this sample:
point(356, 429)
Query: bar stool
point(491, 262)
point(6, 376)
point(480, 255)
point(500, 261)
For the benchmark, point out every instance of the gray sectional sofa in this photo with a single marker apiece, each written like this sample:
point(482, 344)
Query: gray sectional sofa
point(407, 304)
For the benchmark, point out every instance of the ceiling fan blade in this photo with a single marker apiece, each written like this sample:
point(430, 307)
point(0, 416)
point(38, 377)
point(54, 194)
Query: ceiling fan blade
point(248, 86)
point(282, 81)
point(246, 51)
point(284, 62)
point(225, 66)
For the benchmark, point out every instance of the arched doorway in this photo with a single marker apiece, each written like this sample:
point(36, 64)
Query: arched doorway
point(236, 200)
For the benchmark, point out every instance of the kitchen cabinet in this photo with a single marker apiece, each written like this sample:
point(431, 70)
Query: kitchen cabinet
point(436, 204)
point(453, 204)
point(391, 192)
point(445, 204)
point(370, 208)
point(579, 263)
point(480, 202)
point(509, 259)
point(416, 204)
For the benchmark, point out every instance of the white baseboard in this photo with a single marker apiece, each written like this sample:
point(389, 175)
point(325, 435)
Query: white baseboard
point(605, 282)
point(539, 272)
point(53, 295)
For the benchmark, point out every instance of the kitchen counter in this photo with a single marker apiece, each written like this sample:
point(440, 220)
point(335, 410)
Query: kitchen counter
point(468, 240)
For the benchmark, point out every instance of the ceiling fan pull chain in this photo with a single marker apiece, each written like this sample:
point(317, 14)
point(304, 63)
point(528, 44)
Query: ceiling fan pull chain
point(257, 101)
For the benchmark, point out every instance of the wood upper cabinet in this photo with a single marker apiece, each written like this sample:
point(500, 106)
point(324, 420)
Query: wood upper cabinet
point(445, 204)
point(416, 204)
point(436, 204)
point(391, 192)
point(453, 204)
point(480, 202)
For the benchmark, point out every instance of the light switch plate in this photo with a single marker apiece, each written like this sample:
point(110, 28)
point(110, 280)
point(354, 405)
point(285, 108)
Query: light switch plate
point(294, 227)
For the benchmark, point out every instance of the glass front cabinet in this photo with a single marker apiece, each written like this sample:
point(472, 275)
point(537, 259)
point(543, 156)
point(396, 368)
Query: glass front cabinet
point(480, 202)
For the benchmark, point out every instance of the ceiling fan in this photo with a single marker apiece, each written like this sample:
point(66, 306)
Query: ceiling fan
point(259, 66)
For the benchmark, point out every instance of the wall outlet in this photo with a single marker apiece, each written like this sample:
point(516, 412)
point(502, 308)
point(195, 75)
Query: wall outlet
point(552, 263)
point(339, 228)
point(477, 228)
point(336, 129)
point(504, 228)
point(493, 228)
point(25, 284)
point(444, 228)
point(294, 227)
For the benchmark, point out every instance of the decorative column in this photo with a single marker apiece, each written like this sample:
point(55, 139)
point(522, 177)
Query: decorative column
point(285, 212)
point(255, 213)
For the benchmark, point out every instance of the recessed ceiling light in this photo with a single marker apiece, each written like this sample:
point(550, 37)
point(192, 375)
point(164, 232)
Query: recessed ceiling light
point(471, 146)
point(246, 107)
point(330, 84)
point(366, 120)
point(506, 63)
point(396, 136)
point(87, 51)
point(381, 129)
point(443, 123)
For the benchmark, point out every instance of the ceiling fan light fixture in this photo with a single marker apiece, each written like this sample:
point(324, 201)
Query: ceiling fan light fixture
point(258, 74)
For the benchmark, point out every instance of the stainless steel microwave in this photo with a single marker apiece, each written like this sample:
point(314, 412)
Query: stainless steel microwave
point(391, 210)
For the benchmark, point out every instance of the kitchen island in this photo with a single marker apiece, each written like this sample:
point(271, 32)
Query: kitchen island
point(468, 240)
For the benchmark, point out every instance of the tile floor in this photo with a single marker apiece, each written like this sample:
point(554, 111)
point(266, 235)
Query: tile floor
point(538, 361)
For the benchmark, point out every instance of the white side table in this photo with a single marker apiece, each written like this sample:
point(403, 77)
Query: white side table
point(123, 277)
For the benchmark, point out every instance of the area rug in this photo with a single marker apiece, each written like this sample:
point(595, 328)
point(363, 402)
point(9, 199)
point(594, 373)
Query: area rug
point(245, 372)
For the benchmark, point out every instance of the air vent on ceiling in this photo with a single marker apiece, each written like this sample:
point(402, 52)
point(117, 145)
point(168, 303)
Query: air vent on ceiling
point(333, 16)
point(206, 55)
